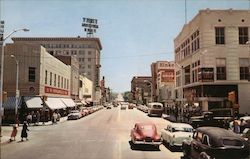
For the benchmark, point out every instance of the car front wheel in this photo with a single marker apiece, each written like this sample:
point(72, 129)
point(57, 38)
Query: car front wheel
point(204, 155)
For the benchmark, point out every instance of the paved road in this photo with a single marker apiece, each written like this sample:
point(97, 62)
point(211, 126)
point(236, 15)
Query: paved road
point(102, 135)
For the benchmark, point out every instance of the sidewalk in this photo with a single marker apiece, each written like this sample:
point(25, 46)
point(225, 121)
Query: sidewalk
point(6, 130)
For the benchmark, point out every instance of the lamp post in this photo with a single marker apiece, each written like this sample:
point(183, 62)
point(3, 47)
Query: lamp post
point(17, 91)
point(151, 87)
point(2, 65)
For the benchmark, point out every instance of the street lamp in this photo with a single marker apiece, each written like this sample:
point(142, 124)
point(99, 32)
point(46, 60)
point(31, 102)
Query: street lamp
point(151, 86)
point(2, 65)
point(17, 75)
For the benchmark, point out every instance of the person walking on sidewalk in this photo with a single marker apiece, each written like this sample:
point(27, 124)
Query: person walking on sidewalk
point(14, 132)
point(24, 133)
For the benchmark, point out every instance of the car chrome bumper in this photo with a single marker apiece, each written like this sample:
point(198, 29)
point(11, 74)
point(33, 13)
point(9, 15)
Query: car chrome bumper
point(147, 143)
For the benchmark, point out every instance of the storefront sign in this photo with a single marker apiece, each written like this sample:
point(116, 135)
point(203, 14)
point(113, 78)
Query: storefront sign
point(52, 90)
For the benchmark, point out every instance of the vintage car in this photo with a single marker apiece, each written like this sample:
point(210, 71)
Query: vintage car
point(123, 107)
point(145, 134)
point(155, 109)
point(74, 114)
point(215, 143)
point(131, 106)
point(175, 133)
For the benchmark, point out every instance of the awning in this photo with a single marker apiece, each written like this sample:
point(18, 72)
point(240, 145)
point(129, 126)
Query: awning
point(68, 102)
point(55, 103)
point(33, 102)
point(10, 103)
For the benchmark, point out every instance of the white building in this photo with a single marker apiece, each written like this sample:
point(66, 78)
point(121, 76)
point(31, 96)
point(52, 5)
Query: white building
point(212, 56)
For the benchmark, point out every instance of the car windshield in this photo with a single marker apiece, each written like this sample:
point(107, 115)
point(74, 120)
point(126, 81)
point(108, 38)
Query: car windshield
point(181, 129)
point(157, 106)
point(147, 127)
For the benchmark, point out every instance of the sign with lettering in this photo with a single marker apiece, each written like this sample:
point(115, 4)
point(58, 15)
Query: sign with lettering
point(52, 90)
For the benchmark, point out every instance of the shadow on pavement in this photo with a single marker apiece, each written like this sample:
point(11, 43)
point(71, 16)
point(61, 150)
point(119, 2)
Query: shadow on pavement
point(143, 147)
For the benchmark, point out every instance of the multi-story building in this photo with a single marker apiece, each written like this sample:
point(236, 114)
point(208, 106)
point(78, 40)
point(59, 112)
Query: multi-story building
point(85, 89)
point(141, 89)
point(74, 80)
point(87, 51)
point(41, 75)
point(212, 54)
point(162, 75)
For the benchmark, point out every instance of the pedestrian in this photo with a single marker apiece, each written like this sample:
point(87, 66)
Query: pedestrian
point(34, 118)
point(38, 117)
point(29, 118)
point(24, 133)
point(242, 125)
point(14, 132)
point(236, 127)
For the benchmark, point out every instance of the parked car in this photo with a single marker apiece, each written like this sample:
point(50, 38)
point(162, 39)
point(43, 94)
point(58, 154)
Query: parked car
point(175, 133)
point(131, 106)
point(155, 109)
point(215, 143)
point(214, 118)
point(109, 106)
point(74, 114)
point(145, 134)
point(123, 107)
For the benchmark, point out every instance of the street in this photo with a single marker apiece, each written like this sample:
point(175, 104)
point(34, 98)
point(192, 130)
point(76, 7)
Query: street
point(102, 135)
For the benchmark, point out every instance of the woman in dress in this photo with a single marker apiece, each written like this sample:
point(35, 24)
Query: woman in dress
point(24, 133)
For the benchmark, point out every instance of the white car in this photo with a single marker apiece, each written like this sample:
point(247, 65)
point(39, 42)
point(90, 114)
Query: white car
point(176, 133)
point(74, 115)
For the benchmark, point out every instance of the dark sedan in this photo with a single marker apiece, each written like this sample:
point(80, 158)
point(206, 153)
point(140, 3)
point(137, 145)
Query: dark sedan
point(215, 143)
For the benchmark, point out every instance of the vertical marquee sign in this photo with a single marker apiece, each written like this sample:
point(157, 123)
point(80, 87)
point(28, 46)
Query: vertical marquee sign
point(1, 31)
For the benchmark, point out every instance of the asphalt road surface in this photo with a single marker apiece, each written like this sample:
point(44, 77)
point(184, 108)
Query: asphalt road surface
point(102, 135)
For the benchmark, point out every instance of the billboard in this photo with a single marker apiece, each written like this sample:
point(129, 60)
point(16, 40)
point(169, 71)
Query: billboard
point(167, 76)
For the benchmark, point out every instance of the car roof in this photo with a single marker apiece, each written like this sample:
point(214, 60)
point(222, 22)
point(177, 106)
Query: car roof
point(180, 125)
point(217, 133)
point(155, 103)
point(245, 118)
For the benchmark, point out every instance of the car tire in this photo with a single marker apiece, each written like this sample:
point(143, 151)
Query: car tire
point(204, 155)
point(185, 154)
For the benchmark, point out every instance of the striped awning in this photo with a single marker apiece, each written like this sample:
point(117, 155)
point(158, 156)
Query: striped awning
point(55, 103)
point(33, 102)
point(10, 103)
point(68, 102)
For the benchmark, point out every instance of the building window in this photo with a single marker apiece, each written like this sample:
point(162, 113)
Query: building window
point(46, 76)
point(61, 82)
point(67, 84)
point(221, 69)
point(32, 74)
point(64, 83)
point(50, 78)
point(58, 81)
point(220, 35)
point(55, 80)
point(89, 52)
point(89, 66)
point(89, 59)
point(243, 35)
point(244, 68)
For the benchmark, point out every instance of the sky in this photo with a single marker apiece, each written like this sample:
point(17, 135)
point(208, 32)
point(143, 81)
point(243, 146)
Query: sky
point(133, 33)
